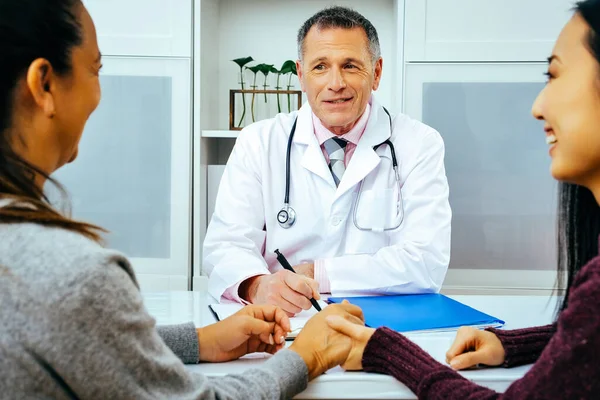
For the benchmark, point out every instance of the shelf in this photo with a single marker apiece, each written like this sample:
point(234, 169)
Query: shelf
point(220, 134)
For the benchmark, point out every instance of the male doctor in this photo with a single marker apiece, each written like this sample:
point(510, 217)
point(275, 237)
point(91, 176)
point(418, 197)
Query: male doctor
point(351, 223)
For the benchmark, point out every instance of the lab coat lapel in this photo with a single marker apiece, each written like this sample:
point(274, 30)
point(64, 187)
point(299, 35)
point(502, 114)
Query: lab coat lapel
point(313, 159)
point(365, 159)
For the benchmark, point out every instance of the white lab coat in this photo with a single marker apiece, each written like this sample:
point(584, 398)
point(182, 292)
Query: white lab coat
point(244, 231)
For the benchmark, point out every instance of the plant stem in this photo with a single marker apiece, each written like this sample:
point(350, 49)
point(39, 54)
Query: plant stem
point(243, 98)
point(277, 87)
point(289, 85)
point(253, 94)
point(265, 87)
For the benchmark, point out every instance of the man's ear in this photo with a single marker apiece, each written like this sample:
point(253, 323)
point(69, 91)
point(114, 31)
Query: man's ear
point(300, 74)
point(41, 82)
point(377, 73)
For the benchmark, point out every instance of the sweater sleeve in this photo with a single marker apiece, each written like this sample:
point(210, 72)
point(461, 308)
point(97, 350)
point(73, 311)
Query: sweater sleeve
point(566, 369)
point(524, 346)
point(109, 347)
point(182, 340)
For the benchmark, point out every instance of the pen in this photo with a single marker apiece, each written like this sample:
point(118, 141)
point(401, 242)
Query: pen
point(286, 265)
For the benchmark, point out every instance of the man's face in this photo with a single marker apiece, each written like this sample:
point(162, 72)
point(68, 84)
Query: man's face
point(337, 73)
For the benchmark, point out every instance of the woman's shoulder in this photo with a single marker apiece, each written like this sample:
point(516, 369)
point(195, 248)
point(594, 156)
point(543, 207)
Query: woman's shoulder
point(54, 260)
point(590, 272)
point(584, 293)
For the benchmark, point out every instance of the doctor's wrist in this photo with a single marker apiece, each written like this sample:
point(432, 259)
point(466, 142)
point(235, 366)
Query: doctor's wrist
point(249, 288)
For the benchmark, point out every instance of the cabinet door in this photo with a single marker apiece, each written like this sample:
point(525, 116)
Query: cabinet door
point(502, 196)
point(483, 30)
point(132, 175)
point(143, 28)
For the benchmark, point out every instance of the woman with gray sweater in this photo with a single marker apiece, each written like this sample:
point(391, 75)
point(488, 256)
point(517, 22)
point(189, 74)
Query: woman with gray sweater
point(72, 320)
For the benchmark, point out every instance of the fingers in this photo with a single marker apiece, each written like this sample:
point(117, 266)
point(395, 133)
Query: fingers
point(257, 346)
point(355, 320)
point(464, 340)
point(270, 313)
point(350, 308)
point(302, 285)
point(314, 286)
point(468, 360)
point(268, 332)
point(296, 299)
point(464, 352)
point(255, 327)
point(344, 326)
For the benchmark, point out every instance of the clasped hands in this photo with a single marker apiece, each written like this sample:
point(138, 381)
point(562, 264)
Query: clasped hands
point(334, 336)
point(263, 328)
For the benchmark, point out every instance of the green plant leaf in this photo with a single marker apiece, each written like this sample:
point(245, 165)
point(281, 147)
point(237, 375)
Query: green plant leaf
point(265, 68)
point(243, 61)
point(287, 67)
point(254, 68)
point(294, 70)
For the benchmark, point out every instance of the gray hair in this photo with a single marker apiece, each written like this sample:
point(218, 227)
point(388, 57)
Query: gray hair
point(340, 17)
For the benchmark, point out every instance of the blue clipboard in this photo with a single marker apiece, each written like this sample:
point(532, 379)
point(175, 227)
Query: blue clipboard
point(419, 313)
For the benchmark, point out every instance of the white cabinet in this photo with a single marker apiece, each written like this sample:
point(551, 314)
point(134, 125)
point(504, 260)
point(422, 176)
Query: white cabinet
point(483, 30)
point(501, 193)
point(143, 28)
point(133, 173)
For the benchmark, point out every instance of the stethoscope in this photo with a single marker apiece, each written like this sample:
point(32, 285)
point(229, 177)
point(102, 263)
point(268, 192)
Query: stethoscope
point(286, 217)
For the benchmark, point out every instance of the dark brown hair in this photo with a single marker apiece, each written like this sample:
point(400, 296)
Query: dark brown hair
point(32, 29)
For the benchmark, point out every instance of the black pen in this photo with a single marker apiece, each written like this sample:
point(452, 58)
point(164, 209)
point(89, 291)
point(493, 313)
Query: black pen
point(286, 265)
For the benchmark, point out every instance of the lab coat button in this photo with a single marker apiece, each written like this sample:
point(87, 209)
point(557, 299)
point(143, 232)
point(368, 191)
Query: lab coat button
point(335, 221)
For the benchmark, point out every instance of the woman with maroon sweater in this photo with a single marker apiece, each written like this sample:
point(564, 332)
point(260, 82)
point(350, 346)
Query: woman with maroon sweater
point(566, 353)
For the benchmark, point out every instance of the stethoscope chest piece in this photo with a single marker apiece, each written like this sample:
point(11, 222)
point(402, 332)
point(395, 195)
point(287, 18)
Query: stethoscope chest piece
point(286, 217)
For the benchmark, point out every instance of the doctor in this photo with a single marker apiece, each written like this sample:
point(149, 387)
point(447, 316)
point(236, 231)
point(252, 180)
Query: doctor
point(355, 199)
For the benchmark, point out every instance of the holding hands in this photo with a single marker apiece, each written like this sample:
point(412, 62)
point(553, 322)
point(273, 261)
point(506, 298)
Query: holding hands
point(322, 347)
point(470, 348)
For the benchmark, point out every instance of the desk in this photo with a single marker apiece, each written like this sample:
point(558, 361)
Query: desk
point(517, 311)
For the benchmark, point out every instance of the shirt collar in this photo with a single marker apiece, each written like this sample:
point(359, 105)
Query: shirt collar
point(353, 136)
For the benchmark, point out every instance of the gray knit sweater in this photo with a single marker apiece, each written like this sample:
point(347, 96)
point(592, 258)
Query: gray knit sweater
point(73, 325)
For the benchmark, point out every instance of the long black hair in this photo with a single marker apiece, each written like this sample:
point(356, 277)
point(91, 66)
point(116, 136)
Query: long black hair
point(578, 210)
point(578, 231)
point(29, 30)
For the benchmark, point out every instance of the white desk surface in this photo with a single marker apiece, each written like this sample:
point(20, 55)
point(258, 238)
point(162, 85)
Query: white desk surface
point(517, 311)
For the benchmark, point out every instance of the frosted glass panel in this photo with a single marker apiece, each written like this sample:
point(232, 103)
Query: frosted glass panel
point(122, 177)
point(502, 195)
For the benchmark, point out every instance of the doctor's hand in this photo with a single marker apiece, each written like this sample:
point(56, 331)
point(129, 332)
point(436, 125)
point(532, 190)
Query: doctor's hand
point(473, 346)
point(307, 269)
point(250, 330)
point(285, 289)
point(322, 347)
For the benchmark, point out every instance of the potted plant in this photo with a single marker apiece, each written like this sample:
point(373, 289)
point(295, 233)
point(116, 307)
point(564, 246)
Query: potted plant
point(241, 62)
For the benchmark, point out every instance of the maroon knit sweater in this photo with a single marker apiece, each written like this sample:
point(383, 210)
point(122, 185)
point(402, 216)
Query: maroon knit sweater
point(566, 355)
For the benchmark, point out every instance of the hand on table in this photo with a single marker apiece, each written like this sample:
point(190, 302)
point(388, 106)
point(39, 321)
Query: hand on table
point(473, 346)
point(255, 328)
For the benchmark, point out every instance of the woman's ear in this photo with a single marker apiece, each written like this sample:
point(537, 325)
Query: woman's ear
point(40, 82)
